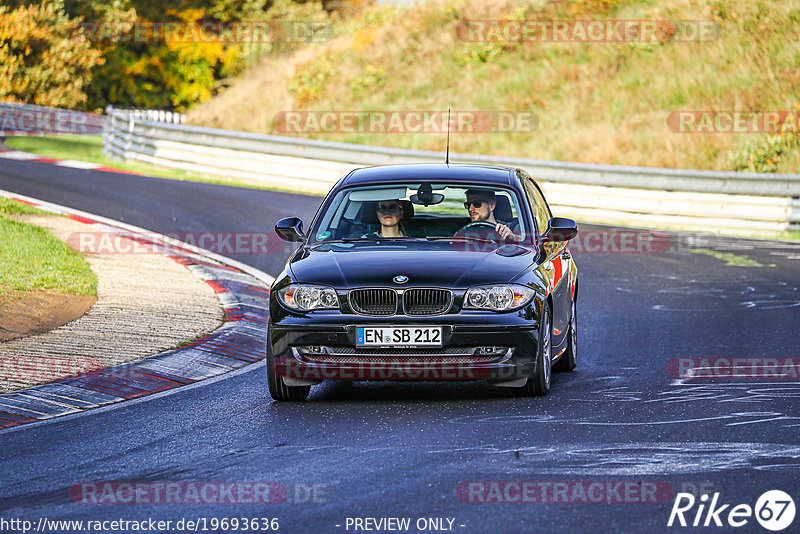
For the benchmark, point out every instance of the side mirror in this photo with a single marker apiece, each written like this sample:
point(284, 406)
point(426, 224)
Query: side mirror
point(560, 229)
point(290, 229)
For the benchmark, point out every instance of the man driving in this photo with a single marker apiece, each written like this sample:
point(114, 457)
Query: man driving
point(481, 204)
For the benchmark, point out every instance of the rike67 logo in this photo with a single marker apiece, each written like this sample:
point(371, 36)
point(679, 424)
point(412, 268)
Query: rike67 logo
point(774, 510)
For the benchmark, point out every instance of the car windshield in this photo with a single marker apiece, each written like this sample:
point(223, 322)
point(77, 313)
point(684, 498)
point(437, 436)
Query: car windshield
point(421, 210)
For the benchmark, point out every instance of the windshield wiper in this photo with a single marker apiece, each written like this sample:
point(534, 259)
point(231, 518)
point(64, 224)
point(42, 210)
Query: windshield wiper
point(359, 240)
point(345, 240)
point(350, 239)
point(458, 238)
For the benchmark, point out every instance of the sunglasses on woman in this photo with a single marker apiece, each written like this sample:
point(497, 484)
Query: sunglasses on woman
point(391, 208)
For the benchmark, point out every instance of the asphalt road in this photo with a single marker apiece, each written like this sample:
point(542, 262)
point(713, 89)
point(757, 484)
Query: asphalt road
point(411, 450)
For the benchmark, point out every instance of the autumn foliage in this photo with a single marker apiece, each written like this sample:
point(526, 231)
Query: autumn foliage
point(161, 74)
point(86, 54)
point(40, 61)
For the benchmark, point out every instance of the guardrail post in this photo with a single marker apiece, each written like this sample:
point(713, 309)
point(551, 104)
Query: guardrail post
point(129, 136)
point(108, 128)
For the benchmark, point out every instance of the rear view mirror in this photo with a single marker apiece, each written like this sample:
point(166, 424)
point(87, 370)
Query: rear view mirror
point(290, 229)
point(560, 229)
point(434, 198)
point(426, 196)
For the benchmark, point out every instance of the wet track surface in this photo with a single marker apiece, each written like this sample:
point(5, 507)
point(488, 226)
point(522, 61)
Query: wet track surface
point(410, 450)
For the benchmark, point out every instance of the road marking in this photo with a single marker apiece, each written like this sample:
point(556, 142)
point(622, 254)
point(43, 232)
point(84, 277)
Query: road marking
point(18, 155)
point(77, 164)
point(170, 370)
point(252, 271)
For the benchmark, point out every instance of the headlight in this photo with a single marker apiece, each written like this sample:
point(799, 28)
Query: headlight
point(306, 298)
point(503, 297)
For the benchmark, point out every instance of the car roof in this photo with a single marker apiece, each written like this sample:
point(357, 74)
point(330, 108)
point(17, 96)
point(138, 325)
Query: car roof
point(478, 174)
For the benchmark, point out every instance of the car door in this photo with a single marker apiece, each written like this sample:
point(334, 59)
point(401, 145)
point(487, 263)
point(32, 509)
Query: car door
point(556, 265)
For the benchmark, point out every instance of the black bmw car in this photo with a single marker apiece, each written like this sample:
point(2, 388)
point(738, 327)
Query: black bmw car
point(425, 272)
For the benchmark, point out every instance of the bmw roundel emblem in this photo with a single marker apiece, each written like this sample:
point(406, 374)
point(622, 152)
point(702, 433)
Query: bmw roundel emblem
point(400, 279)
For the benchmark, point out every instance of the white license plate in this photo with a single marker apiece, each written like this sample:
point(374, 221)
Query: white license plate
point(398, 336)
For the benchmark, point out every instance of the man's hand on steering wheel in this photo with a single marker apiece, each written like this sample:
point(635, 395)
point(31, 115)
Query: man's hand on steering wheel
point(506, 232)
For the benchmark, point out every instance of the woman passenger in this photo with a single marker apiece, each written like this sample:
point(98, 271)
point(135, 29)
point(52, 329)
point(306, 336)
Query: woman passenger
point(390, 215)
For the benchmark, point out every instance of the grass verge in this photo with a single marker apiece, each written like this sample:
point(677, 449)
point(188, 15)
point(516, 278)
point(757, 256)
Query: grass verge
point(8, 206)
point(34, 259)
point(90, 148)
point(731, 259)
point(595, 101)
point(755, 234)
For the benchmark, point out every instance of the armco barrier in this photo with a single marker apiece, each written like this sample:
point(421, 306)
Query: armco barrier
point(730, 201)
point(28, 119)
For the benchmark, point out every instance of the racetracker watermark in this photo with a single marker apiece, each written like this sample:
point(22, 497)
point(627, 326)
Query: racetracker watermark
point(176, 493)
point(316, 367)
point(564, 491)
point(401, 122)
point(49, 121)
point(734, 122)
point(219, 242)
point(610, 241)
point(734, 368)
point(622, 241)
point(175, 32)
point(46, 369)
point(587, 31)
point(194, 492)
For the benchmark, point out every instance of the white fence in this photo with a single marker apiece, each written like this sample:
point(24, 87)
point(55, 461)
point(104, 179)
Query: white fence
point(729, 201)
point(158, 115)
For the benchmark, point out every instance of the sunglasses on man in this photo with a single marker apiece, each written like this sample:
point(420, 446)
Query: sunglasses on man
point(476, 203)
point(391, 208)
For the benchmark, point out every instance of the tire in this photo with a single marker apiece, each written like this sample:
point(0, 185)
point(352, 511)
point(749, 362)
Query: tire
point(538, 384)
point(277, 389)
point(569, 360)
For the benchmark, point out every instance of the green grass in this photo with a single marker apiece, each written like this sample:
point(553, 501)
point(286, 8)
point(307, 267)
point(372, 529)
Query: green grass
point(90, 148)
point(34, 259)
point(596, 102)
point(731, 259)
point(78, 147)
point(754, 234)
point(83, 148)
point(9, 206)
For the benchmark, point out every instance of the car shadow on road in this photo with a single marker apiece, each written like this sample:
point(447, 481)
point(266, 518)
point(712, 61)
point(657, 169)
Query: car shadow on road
point(390, 392)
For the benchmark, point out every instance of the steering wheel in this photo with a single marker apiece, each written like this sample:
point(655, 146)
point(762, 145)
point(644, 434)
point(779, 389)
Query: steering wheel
point(476, 224)
point(482, 225)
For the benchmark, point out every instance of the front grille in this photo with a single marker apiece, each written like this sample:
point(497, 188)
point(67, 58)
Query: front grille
point(374, 301)
point(347, 350)
point(426, 301)
point(339, 354)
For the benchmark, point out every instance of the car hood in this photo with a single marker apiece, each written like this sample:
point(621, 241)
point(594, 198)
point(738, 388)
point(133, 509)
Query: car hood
point(445, 264)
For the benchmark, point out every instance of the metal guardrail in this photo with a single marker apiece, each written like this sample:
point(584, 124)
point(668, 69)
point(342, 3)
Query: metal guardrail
point(28, 107)
point(605, 193)
point(29, 119)
point(158, 115)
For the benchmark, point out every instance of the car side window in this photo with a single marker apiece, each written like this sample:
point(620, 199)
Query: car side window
point(541, 210)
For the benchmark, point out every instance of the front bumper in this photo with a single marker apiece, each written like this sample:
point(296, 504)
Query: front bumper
point(309, 353)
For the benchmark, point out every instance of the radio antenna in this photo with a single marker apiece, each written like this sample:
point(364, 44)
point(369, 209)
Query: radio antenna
point(447, 157)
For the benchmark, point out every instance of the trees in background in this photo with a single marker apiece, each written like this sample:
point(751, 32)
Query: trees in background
point(86, 54)
point(40, 61)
